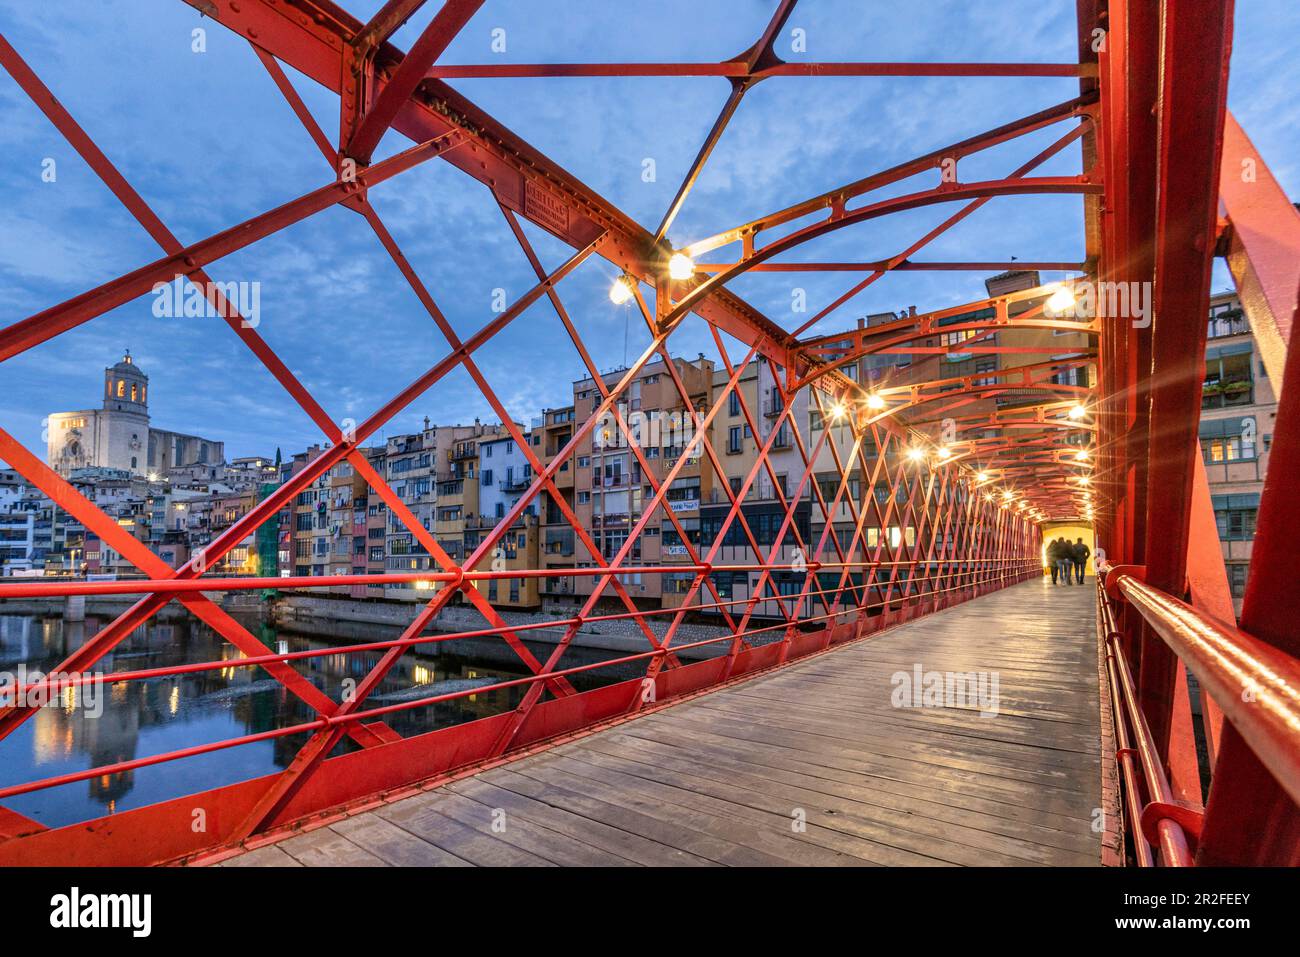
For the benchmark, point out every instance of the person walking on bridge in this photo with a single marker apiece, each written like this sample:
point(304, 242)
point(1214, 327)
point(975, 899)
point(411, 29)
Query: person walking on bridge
point(1067, 561)
point(1054, 558)
point(1079, 553)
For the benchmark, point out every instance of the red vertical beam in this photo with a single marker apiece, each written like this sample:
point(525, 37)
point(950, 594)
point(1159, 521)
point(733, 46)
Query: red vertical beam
point(1195, 41)
point(1137, 152)
point(1111, 62)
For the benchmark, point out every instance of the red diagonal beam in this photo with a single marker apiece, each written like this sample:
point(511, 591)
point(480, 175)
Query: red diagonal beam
point(22, 335)
point(761, 52)
point(136, 552)
point(375, 121)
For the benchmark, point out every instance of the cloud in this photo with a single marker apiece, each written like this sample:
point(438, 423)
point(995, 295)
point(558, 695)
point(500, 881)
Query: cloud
point(209, 142)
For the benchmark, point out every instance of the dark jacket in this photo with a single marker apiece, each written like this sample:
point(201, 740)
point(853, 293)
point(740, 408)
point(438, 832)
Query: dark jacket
point(1056, 551)
point(1079, 552)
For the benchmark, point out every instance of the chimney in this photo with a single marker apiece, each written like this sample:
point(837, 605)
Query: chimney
point(426, 423)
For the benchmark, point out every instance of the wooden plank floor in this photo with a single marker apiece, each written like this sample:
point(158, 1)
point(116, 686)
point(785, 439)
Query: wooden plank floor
point(810, 765)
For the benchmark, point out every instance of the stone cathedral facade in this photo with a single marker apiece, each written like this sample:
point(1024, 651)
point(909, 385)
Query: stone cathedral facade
point(118, 435)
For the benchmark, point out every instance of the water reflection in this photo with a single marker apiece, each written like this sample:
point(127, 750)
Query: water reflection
point(142, 718)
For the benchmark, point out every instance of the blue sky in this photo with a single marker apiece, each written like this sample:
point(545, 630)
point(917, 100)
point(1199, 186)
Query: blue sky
point(208, 141)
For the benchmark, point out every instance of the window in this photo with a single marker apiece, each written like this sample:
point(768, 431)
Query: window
point(733, 403)
point(1235, 516)
point(1228, 440)
point(1077, 376)
point(1237, 579)
point(733, 440)
point(487, 476)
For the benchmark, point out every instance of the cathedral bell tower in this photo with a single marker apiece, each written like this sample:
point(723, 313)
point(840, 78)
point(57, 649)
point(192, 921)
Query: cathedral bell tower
point(126, 388)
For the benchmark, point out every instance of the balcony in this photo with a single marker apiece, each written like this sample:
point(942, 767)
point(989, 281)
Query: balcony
point(1230, 322)
point(1223, 395)
point(517, 484)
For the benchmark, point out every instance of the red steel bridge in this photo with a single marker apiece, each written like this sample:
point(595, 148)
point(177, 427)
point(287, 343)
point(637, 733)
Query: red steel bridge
point(1097, 721)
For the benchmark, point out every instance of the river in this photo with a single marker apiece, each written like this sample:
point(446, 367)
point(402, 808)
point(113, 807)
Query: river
point(140, 718)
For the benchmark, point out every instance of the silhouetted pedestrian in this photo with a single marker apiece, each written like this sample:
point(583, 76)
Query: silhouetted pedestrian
point(1079, 553)
point(1056, 554)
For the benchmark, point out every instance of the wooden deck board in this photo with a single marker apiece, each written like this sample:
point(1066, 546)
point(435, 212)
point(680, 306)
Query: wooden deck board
point(812, 764)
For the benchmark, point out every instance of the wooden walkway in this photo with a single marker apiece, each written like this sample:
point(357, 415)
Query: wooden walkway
point(809, 765)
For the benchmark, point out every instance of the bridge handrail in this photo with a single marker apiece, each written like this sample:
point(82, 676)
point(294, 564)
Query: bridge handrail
point(1256, 685)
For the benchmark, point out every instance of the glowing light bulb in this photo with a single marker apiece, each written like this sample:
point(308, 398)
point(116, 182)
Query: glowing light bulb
point(875, 402)
point(1082, 455)
point(837, 411)
point(1062, 301)
point(1077, 412)
point(621, 291)
point(681, 266)
point(944, 452)
point(981, 476)
point(916, 453)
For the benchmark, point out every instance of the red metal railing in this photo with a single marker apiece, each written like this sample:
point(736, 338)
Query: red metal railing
point(1256, 686)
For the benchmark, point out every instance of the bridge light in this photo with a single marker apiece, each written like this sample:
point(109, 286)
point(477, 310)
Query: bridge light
point(988, 496)
point(837, 411)
point(1082, 455)
point(1061, 301)
point(916, 453)
point(621, 291)
point(981, 476)
point(1077, 412)
point(1008, 495)
point(681, 266)
point(1082, 479)
point(875, 402)
point(944, 452)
